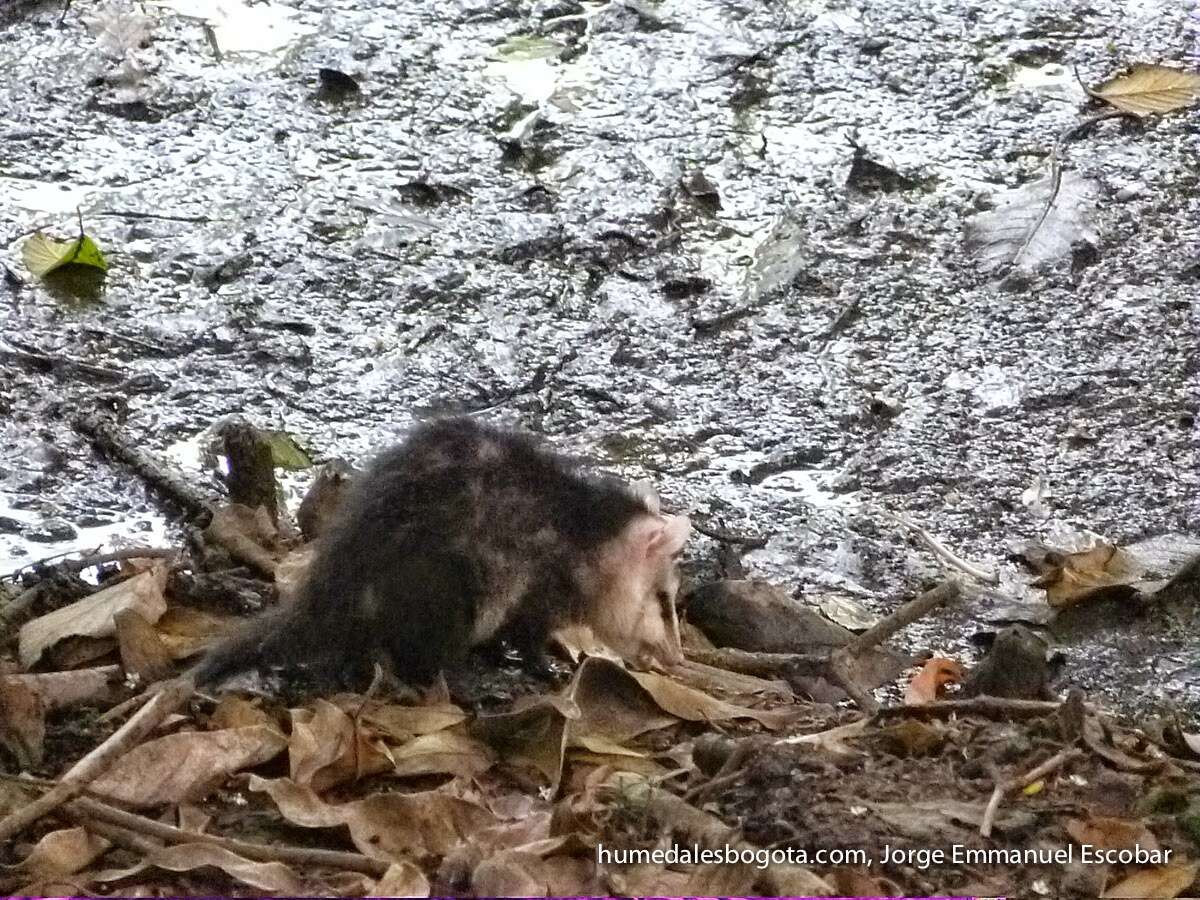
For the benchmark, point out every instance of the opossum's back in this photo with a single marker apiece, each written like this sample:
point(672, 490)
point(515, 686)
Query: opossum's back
point(467, 483)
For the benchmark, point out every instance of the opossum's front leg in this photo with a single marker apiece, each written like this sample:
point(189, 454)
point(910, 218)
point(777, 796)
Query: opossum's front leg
point(530, 633)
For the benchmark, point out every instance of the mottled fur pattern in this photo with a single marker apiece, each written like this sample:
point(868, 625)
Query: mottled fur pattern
point(463, 532)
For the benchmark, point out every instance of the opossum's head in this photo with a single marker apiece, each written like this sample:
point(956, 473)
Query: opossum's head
point(638, 579)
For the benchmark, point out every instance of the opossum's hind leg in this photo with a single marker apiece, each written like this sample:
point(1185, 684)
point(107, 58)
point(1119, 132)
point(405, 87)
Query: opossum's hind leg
point(425, 612)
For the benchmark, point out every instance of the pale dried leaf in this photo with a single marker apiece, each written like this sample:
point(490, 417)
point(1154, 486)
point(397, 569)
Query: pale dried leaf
point(534, 736)
point(186, 631)
point(62, 852)
point(63, 689)
point(402, 879)
point(391, 826)
point(443, 752)
point(1160, 881)
point(1109, 833)
point(186, 766)
point(22, 722)
point(233, 711)
point(118, 28)
point(1026, 230)
point(402, 722)
point(1149, 89)
point(93, 615)
point(142, 651)
point(268, 877)
point(696, 706)
point(327, 747)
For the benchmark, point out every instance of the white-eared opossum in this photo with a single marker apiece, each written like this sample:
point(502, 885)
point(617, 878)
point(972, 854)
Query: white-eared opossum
point(459, 534)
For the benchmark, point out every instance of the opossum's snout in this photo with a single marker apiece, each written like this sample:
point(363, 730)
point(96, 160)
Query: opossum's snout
point(637, 616)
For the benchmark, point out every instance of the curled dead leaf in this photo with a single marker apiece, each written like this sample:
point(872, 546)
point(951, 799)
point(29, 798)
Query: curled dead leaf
point(928, 684)
point(1072, 577)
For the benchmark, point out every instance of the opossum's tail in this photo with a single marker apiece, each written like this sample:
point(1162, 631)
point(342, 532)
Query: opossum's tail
point(281, 635)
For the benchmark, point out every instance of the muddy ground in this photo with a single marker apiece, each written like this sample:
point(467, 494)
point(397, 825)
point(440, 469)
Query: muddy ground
point(720, 244)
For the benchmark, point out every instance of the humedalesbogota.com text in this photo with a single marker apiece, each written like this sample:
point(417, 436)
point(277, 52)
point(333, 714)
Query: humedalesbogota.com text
point(760, 858)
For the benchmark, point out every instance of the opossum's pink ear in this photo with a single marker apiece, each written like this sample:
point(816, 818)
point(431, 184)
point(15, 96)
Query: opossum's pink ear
point(644, 489)
point(670, 536)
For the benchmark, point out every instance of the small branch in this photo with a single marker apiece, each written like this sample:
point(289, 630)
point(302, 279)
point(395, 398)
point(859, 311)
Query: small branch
point(108, 438)
point(989, 707)
point(749, 541)
point(987, 576)
point(904, 616)
point(97, 762)
point(87, 811)
point(56, 364)
point(1054, 763)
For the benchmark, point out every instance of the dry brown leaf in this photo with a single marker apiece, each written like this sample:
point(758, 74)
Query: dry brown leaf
point(1072, 577)
point(143, 653)
point(272, 877)
point(391, 826)
point(63, 689)
point(186, 631)
point(62, 852)
point(1160, 881)
point(1111, 834)
point(186, 766)
point(534, 735)
point(401, 723)
point(402, 879)
point(611, 704)
point(696, 706)
point(449, 752)
point(509, 874)
point(1149, 89)
point(93, 615)
point(22, 722)
point(927, 684)
point(327, 747)
point(233, 711)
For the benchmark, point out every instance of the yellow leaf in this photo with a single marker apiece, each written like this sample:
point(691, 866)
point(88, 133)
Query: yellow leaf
point(43, 255)
point(1148, 89)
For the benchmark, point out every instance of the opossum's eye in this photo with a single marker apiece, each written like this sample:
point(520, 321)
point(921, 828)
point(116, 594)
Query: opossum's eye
point(664, 600)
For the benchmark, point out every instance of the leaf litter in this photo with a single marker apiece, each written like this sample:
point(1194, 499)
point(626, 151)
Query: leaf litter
point(554, 741)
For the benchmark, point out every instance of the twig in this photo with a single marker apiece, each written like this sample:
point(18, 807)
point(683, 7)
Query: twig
point(903, 617)
point(1057, 761)
point(164, 217)
point(987, 576)
point(989, 707)
point(46, 362)
point(108, 438)
point(762, 665)
point(749, 541)
point(1067, 134)
point(19, 604)
point(100, 759)
point(96, 559)
point(86, 810)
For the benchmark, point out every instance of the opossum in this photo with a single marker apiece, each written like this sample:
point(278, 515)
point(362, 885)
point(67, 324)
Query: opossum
point(458, 535)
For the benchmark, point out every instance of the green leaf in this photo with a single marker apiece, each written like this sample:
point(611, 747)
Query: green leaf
point(527, 47)
point(285, 452)
point(44, 254)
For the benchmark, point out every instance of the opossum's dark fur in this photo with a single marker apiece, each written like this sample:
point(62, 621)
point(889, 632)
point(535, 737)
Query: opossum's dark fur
point(461, 532)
